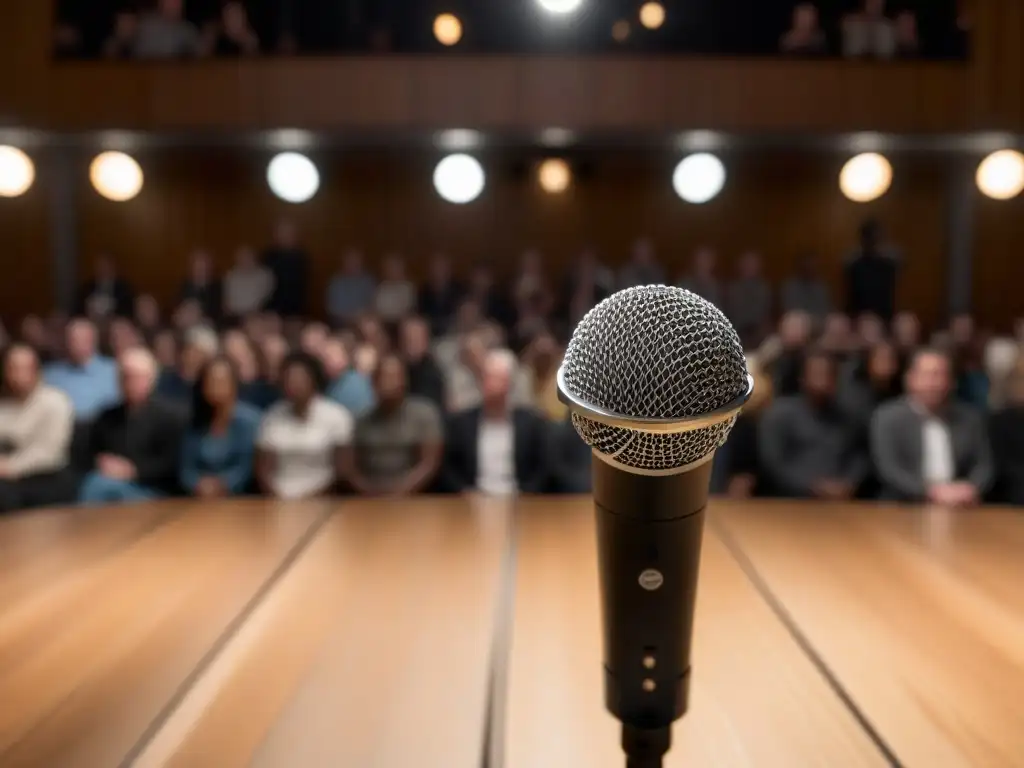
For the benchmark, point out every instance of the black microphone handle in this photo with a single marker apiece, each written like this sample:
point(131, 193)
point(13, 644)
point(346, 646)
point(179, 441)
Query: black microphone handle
point(649, 530)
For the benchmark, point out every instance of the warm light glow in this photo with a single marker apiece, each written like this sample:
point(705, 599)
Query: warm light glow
point(459, 179)
point(554, 175)
point(293, 177)
point(652, 15)
point(865, 177)
point(1001, 174)
point(698, 178)
point(560, 6)
point(447, 29)
point(16, 172)
point(116, 176)
point(620, 31)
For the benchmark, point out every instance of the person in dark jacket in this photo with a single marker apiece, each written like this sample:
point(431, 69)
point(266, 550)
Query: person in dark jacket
point(289, 264)
point(1006, 429)
point(425, 377)
point(495, 449)
point(202, 287)
point(106, 294)
point(871, 274)
point(135, 445)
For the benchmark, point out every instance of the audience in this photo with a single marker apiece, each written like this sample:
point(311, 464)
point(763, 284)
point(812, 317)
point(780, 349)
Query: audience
point(702, 279)
point(134, 446)
point(89, 379)
point(35, 436)
point(162, 33)
point(218, 450)
point(396, 293)
point(496, 448)
point(643, 268)
point(808, 446)
point(397, 447)
point(869, 32)
point(247, 286)
point(928, 447)
point(805, 36)
point(230, 34)
point(301, 437)
point(469, 402)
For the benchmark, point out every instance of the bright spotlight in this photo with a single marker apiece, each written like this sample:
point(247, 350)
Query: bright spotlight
point(116, 176)
point(293, 177)
point(560, 7)
point(16, 172)
point(865, 177)
point(554, 175)
point(699, 177)
point(447, 29)
point(1001, 174)
point(459, 179)
point(652, 15)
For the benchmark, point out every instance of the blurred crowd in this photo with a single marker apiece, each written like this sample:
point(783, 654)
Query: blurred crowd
point(184, 29)
point(448, 385)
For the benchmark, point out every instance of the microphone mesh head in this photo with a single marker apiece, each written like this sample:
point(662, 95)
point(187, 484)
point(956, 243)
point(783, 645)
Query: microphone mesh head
point(654, 352)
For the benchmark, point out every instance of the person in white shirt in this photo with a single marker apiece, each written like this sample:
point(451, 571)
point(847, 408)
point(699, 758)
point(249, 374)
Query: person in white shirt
point(247, 286)
point(396, 293)
point(36, 423)
point(496, 449)
point(927, 447)
point(301, 436)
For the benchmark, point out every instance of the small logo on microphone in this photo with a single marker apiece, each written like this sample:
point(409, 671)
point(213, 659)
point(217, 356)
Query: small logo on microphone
point(651, 579)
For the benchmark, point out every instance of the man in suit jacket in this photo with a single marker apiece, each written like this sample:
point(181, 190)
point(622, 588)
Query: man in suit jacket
point(135, 445)
point(106, 294)
point(928, 447)
point(495, 448)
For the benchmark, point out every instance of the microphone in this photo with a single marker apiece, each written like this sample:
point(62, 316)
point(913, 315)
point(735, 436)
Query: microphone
point(654, 378)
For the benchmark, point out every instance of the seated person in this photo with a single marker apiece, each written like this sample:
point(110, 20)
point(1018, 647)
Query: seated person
point(217, 454)
point(302, 435)
point(808, 446)
point(36, 422)
point(87, 378)
point(397, 446)
point(1007, 430)
point(927, 446)
point(347, 387)
point(135, 446)
point(496, 448)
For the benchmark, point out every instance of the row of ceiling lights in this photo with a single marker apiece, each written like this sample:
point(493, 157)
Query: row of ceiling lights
point(459, 178)
point(448, 26)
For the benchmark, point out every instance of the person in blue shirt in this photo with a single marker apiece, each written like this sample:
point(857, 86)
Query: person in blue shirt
point(89, 380)
point(218, 450)
point(347, 386)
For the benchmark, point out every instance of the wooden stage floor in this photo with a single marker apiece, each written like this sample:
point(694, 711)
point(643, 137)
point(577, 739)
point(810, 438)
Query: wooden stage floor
point(457, 633)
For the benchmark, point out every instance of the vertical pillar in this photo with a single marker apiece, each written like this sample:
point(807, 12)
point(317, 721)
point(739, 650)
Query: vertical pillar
point(960, 234)
point(64, 224)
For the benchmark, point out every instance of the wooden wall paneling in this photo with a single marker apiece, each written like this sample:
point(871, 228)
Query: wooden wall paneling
point(998, 268)
point(26, 260)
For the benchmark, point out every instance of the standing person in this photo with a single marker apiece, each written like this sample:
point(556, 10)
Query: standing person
point(36, 423)
point(107, 293)
point(218, 450)
point(871, 273)
point(440, 296)
point(134, 446)
point(749, 301)
point(247, 286)
point(289, 263)
point(351, 290)
point(643, 268)
point(202, 287)
point(928, 447)
point(397, 447)
point(396, 293)
point(702, 278)
point(805, 291)
point(301, 436)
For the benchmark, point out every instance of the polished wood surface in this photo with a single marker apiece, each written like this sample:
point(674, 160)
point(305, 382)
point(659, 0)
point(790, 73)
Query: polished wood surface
point(92, 653)
point(374, 650)
point(918, 613)
point(755, 699)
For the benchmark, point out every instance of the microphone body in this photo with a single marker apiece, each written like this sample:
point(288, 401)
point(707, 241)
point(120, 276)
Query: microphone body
point(649, 532)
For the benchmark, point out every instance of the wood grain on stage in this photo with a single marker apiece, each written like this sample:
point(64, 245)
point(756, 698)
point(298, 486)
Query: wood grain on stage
point(98, 647)
point(919, 613)
point(756, 700)
point(374, 650)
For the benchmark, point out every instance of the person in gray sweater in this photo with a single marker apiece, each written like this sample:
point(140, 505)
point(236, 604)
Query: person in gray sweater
point(928, 447)
point(808, 446)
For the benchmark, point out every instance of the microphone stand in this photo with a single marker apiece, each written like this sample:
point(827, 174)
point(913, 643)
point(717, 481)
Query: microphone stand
point(645, 748)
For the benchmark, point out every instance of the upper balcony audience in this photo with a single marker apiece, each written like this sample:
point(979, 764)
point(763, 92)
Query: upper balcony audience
point(927, 446)
point(301, 437)
point(496, 448)
point(868, 32)
point(805, 36)
point(219, 446)
point(134, 446)
point(36, 422)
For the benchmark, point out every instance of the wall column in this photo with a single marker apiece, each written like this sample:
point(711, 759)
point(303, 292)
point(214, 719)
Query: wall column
point(64, 168)
point(960, 234)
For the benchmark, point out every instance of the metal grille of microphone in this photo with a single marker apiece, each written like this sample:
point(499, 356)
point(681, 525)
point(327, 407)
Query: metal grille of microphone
point(654, 352)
